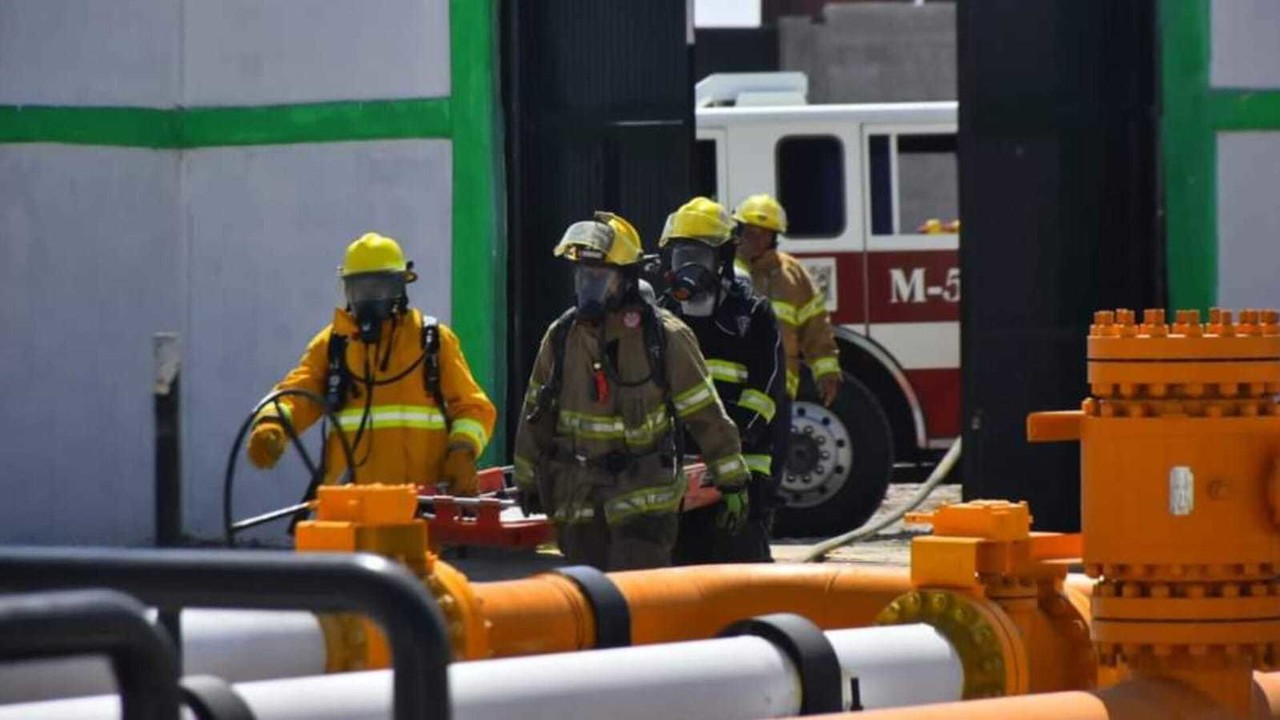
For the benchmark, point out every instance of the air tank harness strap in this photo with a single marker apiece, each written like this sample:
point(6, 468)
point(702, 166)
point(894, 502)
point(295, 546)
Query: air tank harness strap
point(338, 384)
point(431, 365)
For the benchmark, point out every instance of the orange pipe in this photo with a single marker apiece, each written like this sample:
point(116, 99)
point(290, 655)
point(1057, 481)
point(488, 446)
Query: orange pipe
point(547, 613)
point(1048, 706)
point(1137, 699)
point(541, 614)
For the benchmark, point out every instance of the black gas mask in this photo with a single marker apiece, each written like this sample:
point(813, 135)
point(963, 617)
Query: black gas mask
point(693, 271)
point(598, 288)
point(373, 298)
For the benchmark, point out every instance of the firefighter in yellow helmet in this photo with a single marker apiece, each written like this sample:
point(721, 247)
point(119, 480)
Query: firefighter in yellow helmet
point(395, 378)
point(615, 384)
point(801, 309)
point(739, 336)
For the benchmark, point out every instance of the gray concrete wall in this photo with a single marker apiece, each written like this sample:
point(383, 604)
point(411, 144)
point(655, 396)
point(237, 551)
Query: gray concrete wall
point(1246, 54)
point(90, 257)
point(874, 52)
point(1246, 44)
point(233, 247)
point(1248, 220)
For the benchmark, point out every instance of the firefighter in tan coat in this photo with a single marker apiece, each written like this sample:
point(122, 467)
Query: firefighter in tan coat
point(615, 383)
point(801, 309)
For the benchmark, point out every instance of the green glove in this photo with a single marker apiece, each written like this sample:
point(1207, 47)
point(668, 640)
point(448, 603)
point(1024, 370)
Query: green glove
point(733, 510)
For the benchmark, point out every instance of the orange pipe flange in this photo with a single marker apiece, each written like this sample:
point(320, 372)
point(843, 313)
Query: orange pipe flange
point(992, 650)
point(547, 613)
point(1005, 604)
point(455, 596)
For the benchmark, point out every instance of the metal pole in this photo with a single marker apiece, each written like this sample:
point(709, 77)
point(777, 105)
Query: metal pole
point(168, 358)
point(380, 588)
point(168, 471)
point(97, 621)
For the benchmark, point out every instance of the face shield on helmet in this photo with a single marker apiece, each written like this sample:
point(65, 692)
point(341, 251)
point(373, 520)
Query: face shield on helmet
point(597, 287)
point(372, 287)
point(694, 267)
point(586, 241)
point(373, 298)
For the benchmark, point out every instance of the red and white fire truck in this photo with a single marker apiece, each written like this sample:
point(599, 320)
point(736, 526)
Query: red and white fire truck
point(871, 198)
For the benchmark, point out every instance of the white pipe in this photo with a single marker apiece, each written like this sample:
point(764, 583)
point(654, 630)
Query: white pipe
point(737, 677)
point(740, 677)
point(236, 645)
point(899, 665)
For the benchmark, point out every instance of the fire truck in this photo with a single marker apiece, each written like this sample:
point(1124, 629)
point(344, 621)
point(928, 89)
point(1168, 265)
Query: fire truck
point(871, 196)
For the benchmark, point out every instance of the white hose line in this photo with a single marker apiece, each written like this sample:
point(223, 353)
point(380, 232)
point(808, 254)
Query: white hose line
point(819, 551)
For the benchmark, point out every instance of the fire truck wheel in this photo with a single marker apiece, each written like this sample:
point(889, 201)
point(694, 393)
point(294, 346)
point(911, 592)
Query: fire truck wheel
point(839, 463)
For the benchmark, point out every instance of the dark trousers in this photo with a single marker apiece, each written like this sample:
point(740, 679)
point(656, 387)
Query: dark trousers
point(640, 542)
point(700, 542)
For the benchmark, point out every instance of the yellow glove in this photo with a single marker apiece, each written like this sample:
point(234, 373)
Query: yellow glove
point(459, 471)
point(267, 444)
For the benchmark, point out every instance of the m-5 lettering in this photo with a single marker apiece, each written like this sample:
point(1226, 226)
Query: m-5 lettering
point(910, 286)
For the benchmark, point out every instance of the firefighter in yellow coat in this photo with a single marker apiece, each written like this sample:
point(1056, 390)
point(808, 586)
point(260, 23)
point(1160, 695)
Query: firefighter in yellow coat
point(615, 384)
point(801, 309)
point(395, 378)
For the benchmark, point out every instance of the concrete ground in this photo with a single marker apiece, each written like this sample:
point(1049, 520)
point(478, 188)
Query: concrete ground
point(890, 546)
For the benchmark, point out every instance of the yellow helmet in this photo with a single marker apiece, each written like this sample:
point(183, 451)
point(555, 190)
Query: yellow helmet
point(607, 239)
point(374, 253)
point(701, 219)
point(762, 210)
point(934, 226)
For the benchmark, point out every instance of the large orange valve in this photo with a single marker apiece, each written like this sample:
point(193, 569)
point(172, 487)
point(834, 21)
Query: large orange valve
point(383, 519)
point(1180, 496)
point(996, 591)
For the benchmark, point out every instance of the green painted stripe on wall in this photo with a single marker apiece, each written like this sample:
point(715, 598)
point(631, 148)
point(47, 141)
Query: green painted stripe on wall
point(479, 249)
point(1244, 110)
point(1189, 151)
point(317, 123)
point(185, 128)
point(115, 126)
